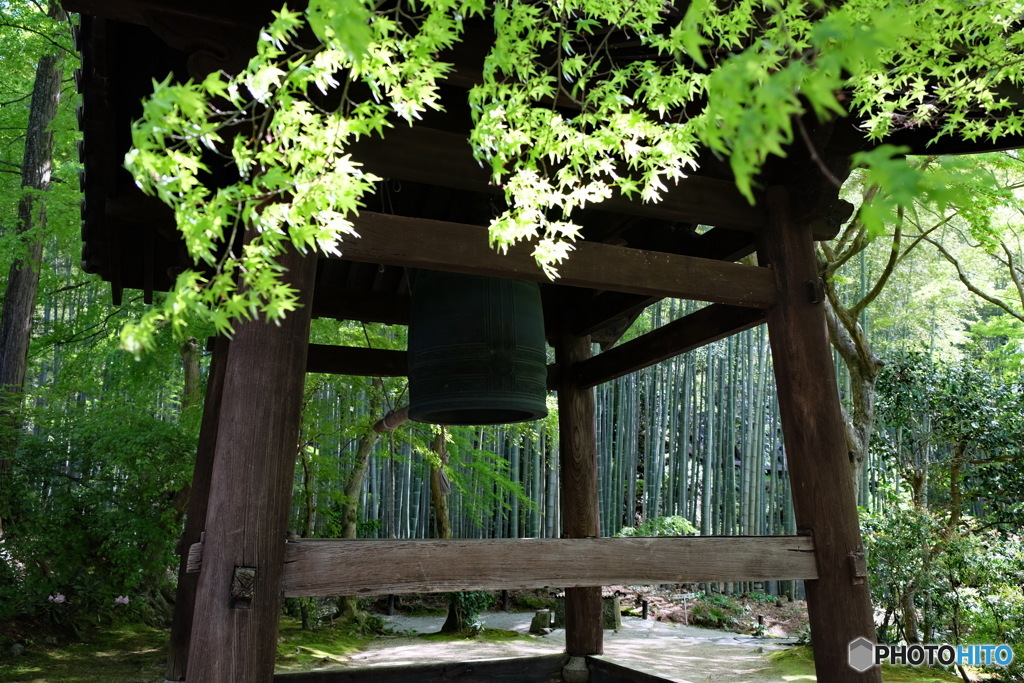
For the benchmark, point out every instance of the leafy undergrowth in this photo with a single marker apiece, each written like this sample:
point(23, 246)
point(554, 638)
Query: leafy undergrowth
point(797, 664)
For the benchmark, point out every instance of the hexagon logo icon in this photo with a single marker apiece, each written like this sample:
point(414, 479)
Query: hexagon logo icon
point(862, 655)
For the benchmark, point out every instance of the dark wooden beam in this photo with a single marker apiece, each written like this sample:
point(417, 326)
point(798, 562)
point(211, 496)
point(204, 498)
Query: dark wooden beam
point(509, 670)
point(238, 598)
point(824, 503)
point(579, 497)
point(344, 303)
point(445, 159)
point(608, 314)
point(707, 325)
point(723, 244)
point(607, 309)
point(441, 245)
point(350, 360)
point(195, 521)
point(320, 567)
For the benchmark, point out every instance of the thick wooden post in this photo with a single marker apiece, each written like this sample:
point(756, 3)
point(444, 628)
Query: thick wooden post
point(580, 504)
point(238, 599)
point(195, 521)
point(838, 601)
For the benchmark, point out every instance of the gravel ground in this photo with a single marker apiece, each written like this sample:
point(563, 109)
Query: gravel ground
point(685, 654)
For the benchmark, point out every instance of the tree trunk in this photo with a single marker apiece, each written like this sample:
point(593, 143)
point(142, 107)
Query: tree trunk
point(23, 277)
point(439, 488)
point(348, 606)
point(956, 499)
point(458, 617)
point(191, 397)
point(910, 620)
point(863, 365)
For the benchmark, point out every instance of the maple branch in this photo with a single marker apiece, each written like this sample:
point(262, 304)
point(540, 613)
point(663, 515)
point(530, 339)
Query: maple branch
point(971, 287)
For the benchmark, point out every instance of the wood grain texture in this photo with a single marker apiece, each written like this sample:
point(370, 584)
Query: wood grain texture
point(707, 325)
point(250, 492)
point(321, 567)
point(605, 671)
point(457, 247)
point(819, 468)
point(579, 497)
point(541, 669)
point(195, 519)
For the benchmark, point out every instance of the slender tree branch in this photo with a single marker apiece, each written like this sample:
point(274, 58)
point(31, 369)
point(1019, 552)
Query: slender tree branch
point(855, 231)
point(814, 154)
point(1014, 271)
point(924, 234)
point(856, 246)
point(971, 287)
point(15, 101)
point(65, 289)
point(890, 266)
point(63, 48)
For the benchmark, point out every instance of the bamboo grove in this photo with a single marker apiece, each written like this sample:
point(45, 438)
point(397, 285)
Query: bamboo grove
point(695, 437)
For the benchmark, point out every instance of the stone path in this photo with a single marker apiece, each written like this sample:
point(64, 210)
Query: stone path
point(684, 654)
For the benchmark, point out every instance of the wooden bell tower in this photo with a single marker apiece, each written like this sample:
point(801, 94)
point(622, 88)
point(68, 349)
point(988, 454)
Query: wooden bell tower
point(237, 564)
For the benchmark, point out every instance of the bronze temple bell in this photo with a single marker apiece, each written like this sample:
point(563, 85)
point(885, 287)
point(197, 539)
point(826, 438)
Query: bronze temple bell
point(476, 350)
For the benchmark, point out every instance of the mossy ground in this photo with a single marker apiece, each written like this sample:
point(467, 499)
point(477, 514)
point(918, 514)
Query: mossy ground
point(797, 664)
point(138, 654)
point(123, 654)
point(489, 635)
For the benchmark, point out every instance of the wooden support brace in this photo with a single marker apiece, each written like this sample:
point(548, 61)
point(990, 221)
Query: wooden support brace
point(195, 520)
point(701, 327)
point(323, 567)
point(838, 601)
point(580, 506)
point(235, 624)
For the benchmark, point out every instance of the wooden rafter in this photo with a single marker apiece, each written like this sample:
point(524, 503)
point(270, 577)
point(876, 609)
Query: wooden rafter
point(445, 159)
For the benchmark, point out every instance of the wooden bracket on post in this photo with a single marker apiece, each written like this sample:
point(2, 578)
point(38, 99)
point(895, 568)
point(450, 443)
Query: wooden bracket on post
point(858, 567)
point(195, 556)
point(243, 587)
point(815, 291)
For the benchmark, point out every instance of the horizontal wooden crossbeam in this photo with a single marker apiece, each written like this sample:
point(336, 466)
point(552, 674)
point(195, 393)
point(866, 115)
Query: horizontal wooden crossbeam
point(324, 567)
point(343, 303)
point(352, 360)
point(445, 159)
point(701, 327)
point(443, 245)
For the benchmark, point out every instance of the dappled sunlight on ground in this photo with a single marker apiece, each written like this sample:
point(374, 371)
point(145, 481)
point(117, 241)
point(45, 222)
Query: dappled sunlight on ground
point(676, 653)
